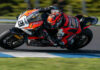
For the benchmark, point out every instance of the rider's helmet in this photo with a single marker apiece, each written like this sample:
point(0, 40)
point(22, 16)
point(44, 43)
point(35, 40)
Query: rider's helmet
point(54, 19)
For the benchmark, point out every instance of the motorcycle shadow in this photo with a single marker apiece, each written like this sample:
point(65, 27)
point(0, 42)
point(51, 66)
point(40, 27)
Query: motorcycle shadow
point(58, 51)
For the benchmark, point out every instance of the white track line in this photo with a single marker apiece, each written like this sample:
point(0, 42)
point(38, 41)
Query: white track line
point(30, 54)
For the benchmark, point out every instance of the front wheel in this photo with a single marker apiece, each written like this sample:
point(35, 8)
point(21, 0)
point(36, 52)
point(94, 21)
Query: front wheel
point(9, 41)
point(82, 40)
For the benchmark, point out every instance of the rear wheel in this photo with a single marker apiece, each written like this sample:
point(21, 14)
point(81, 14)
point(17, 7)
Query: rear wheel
point(82, 40)
point(8, 41)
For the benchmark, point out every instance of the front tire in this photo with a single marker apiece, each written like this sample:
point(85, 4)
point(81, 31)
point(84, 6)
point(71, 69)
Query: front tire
point(8, 41)
point(79, 42)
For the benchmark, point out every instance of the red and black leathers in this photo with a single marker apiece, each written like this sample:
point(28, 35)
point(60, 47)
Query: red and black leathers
point(70, 28)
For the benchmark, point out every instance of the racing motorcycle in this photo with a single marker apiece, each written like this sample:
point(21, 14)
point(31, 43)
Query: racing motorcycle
point(29, 32)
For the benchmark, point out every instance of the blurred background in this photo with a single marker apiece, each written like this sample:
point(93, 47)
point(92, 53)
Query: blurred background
point(71, 7)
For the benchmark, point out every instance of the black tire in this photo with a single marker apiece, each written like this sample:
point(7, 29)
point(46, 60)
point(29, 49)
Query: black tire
point(77, 44)
point(9, 35)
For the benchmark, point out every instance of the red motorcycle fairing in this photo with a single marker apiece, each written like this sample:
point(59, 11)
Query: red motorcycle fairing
point(34, 25)
point(30, 38)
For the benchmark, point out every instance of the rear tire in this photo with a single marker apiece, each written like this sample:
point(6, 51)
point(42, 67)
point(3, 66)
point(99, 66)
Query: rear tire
point(8, 37)
point(77, 44)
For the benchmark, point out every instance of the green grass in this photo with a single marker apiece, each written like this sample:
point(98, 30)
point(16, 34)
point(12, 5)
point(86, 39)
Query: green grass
point(99, 18)
point(7, 22)
point(7, 17)
point(49, 64)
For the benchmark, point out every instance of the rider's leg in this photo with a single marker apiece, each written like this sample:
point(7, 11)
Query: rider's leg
point(66, 35)
point(66, 38)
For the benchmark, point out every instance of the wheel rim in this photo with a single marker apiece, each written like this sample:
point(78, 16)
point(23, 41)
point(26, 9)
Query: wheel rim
point(11, 41)
point(83, 40)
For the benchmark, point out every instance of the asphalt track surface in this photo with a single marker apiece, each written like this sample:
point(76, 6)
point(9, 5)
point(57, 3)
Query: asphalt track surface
point(92, 49)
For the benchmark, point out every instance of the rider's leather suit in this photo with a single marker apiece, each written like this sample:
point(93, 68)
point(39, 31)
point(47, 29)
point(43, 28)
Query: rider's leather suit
point(67, 29)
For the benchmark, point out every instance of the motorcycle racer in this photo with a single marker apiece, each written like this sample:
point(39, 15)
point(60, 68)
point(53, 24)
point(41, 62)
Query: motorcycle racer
point(67, 26)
